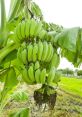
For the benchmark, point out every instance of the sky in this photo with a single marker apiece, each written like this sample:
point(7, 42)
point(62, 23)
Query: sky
point(67, 13)
point(63, 12)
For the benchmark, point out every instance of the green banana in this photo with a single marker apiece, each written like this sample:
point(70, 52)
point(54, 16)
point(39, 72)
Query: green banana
point(51, 75)
point(27, 29)
point(23, 30)
point(57, 77)
point(35, 52)
point(32, 27)
point(16, 38)
point(43, 76)
point(25, 76)
point(37, 75)
point(37, 29)
point(19, 54)
point(24, 56)
point(37, 65)
point(45, 51)
point(51, 55)
point(40, 50)
point(42, 34)
point(30, 52)
point(55, 60)
point(18, 32)
point(31, 74)
point(24, 45)
point(50, 52)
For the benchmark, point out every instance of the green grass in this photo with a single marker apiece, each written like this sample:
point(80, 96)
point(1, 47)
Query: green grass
point(72, 85)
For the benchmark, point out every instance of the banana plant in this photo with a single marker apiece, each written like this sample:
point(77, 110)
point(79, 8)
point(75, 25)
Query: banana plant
point(28, 46)
point(8, 73)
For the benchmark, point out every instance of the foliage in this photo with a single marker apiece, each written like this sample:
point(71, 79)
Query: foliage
point(79, 72)
point(67, 71)
point(70, 41)
point(23, 112)
point(8, 88)
point(20, 96)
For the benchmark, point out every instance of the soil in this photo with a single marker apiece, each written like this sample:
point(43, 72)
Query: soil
point(67, 105)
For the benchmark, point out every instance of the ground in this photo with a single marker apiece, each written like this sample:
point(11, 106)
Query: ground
point(68, 104)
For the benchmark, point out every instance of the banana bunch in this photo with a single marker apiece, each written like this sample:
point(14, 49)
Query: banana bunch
point(33, 74)
point(41, 51)
point(37, 55)
point(29, 30)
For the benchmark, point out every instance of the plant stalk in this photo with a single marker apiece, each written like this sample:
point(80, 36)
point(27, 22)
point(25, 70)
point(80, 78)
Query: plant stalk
point(6, 50)
point(27, 4)
point(3, 16)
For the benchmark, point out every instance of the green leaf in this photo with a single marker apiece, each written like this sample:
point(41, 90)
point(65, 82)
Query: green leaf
point(13, 23)
point(10, 82)
point(71, 57)
point(3, 74)
point(68, 54)
point(14, 9)
point(9, 86)
point(71, 42)
point(81, 41)
point(11, 56)
point(6, 50)
point(20, 96)
point(11, 6)
point(67, 39)
point(24, 112)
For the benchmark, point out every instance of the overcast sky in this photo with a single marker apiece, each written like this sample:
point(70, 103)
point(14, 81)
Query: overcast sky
point(64, 12)
point(67, 13)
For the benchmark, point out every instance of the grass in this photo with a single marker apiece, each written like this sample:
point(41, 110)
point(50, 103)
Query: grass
point(72, 85)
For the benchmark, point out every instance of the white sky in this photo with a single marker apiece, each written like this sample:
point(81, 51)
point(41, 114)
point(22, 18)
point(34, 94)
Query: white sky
point(67, 13)
point(63, 12)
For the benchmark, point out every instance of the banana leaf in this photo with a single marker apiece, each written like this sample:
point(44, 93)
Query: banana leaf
point(9, 86)
point(23, 112)
point(67, 39)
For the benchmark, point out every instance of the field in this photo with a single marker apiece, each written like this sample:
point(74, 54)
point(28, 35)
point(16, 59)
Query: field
point(68, 104)
point(72, 85)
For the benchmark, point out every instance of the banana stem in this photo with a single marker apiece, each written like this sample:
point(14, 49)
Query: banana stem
point(27, 4)
point(6, 50)
point(3, 15)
